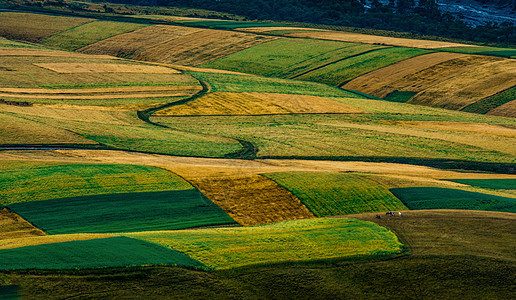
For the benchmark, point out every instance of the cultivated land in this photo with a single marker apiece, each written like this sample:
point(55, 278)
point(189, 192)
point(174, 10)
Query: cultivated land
point(95, 146)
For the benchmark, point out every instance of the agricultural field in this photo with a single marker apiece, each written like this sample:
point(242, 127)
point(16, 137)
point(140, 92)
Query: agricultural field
point(439, 198)
point(331, 194)
point(301, 240)
point(173, 44)
point(494, 51)
point(490, 103)
point(35, 27)
point(286, 58)
point(89, 33)
point(22, 181)
point(496, 184)
point(258, 104)
point(123, 212)
point(95, 253)
point(14, 227)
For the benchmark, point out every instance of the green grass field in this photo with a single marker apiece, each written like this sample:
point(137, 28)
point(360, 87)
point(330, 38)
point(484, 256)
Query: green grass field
point(442, 198)
point(299, 240)
point(243, 83)
point(485, 105)
point(285, 58)
point(124, 212)
point(345, 70)
point(496, 184)
point(25, 181)
point(97, 253)
point(13, 44)
point(89, 33)
point(331, 194)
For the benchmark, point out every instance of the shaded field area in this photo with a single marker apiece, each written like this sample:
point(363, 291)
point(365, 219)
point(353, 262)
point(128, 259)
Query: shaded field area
point(421, 277)
point(96, 253)
point(329, 194)
point(453, 232)
point(29, 181)
point(441, 198)
point(125, 212)
point(299, 240)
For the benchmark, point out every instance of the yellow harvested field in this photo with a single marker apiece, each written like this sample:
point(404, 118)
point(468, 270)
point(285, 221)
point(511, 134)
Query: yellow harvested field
point(205, 70)
point(49, 53)
point(506, 110)
point(175, 44)
point(375, 39)
point(475, 84)
point(95, 97)
point(252, 200)
point(258, 104)
point(275, 28)
point(122, 89)
point(418, 73)
point(70, 68)
point(50, 239)
point(14, 227)
point(459, 126)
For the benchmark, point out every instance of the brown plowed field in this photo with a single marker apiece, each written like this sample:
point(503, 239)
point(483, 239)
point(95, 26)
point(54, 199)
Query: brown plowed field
point(173, 44)
point(252, 199)
point(471, 86)
point(258, 104)
point(373, 39)
point(418, 74)
point(13, 226)
point(453, 232)
point(506, 110)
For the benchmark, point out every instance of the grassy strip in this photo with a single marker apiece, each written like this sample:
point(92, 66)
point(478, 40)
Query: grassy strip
point(442, 198)
point(400, 96)
point(485, 105)
point(83, 85)
point(25, 181)
point(330, 194)
point(493, 51)
point(300, 240)
point(127, 212)
point(97, 253)
point(243, 83)
point(89, 33)
point(496, 184)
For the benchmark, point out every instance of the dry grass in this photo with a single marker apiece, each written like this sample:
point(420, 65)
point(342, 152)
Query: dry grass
point(173, 44)
point(471, 86)
point(373, 39)
point(122, 89)
point(96, 97)
point(460, 126)
point(258, 104)
point(35, 27)
point(206, 70)
point(418, 73)
point(50, 239)
point(70, 68)
point(453, 232)
point(14, 227)
point(48, 53)
point(506, 110)
point(252, 200)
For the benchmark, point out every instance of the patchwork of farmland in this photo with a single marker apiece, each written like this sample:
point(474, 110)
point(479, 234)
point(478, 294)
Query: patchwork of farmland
point(301, 240)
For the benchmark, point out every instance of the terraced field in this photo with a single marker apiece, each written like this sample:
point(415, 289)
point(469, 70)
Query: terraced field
point(303, 240)
point(173, 44)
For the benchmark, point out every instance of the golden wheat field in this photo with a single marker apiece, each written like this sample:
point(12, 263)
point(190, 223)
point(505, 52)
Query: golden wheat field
point(15, 227)
point(373, 39)
point(173, 44)
point(105, 68)
point(220, 103)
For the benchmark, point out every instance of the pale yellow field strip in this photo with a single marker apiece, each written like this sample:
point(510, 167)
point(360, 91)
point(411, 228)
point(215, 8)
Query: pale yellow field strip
point(189, 166)
point(109, 96)
point(205, 70)
point(507, 110)
point(258, 104)
point(123, 89)
point(275, 28)
point(460, 126)
point(374, 39)
point(49, 53)
point(50, 239)
point(71, 68)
